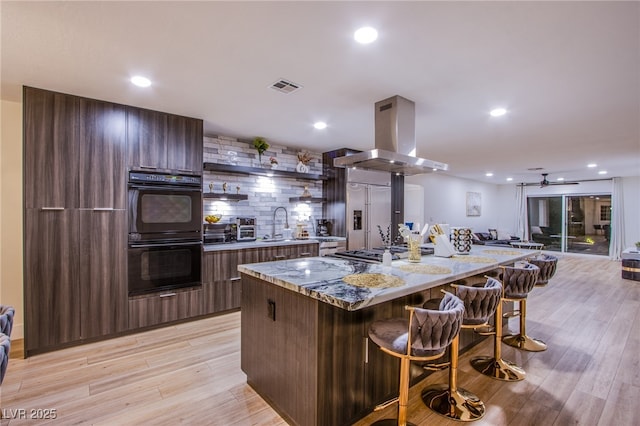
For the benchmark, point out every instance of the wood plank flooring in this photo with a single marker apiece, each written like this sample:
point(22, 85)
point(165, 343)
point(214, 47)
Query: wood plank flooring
point(190, 373)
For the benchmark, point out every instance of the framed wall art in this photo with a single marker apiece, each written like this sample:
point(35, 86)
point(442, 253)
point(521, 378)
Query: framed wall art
point(474, 203)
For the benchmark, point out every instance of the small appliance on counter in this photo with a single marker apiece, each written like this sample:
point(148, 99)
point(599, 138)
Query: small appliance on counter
point(220, 233)
point(246, 228)
point(323, 228)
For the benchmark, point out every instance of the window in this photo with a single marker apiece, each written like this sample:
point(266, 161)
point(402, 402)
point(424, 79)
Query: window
point(605, 212)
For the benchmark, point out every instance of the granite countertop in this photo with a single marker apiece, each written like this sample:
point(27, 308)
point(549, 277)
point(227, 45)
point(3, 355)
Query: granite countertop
point(256, 244)
point(322, 277)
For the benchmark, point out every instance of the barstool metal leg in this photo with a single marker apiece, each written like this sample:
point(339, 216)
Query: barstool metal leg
point(403, 397)
point(495, 366)
point(451, 401)
point(522, 341)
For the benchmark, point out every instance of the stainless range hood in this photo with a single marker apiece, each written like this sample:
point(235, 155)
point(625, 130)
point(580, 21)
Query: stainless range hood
point(395, 142)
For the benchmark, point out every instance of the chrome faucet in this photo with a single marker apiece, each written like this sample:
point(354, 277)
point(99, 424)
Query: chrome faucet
point(286, 221)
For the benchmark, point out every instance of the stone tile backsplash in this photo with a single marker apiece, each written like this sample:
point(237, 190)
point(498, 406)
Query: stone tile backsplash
point(264, 193)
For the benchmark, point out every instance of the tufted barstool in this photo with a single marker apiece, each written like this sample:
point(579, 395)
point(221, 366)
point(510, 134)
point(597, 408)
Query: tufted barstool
point(547, 265)
point(423, 337)
point(6, 319)
point(5, 346)
point(449, 400)
point(495, 366)
point(518, 281)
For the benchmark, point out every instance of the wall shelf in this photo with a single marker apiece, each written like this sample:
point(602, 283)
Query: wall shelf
point(307, 200)
point(224, 196)
point(257, 171)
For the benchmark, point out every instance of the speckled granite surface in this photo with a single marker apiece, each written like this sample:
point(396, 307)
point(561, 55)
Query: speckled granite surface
point(322, 277)
point(255, 244)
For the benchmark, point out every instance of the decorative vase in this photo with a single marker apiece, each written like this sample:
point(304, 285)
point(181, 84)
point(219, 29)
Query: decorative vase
point(413, 243)
point(302, 168)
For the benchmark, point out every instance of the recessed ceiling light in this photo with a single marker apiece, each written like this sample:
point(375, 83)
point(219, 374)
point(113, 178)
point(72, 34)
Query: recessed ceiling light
point(560, 179)
point(509, 179)
point(365, 35)
point(489, 174)
point(320, 125)
point(497, 112)
point(602, 172)
point(141, 81)
point(592, 165)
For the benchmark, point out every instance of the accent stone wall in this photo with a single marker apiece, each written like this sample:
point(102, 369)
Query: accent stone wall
point(265, 193)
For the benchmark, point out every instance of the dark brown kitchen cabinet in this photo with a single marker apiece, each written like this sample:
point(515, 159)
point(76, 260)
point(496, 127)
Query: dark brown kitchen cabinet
point(290, 251)
point(51, 276)
point(75, 196)
point(221, 279)
point(159, 308)
point(185, 144)
point(51, 132)
point(161, 141)
point(103, 272)
point(102, 159)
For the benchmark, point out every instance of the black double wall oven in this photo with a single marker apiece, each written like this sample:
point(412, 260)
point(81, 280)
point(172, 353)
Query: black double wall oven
point(165, 238)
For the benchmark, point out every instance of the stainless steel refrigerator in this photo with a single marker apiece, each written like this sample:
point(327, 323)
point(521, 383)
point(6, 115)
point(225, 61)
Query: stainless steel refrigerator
point(368, 204)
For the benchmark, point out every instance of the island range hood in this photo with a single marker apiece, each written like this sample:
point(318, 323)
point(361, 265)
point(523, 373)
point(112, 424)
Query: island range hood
point(395, 142)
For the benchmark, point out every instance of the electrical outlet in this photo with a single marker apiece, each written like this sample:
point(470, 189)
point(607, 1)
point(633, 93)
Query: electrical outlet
point(271, 309)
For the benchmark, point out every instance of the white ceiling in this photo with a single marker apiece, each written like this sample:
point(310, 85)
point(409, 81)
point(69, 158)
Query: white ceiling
point(569, 73)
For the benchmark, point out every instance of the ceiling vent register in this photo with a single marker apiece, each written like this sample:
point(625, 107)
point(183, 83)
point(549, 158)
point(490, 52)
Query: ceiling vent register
point(285, 86)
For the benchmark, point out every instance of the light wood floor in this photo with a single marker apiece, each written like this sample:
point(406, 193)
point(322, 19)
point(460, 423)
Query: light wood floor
point(190, 373)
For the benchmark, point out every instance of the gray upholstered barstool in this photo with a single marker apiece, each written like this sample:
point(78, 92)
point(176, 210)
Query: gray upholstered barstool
point(547, 265)
point(5, 347)
point(496, 367)
point(449, 400)
point(6, 319)
point(518, 281)
point(423, 337)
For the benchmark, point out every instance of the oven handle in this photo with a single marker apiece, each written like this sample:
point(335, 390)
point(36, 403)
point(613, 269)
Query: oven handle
point(190, 243)
point(156, 187)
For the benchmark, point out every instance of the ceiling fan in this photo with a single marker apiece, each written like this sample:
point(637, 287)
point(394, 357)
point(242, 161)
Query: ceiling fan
point(544, 182)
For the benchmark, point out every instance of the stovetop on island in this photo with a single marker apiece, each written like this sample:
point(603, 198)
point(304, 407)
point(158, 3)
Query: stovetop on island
point(375, 255)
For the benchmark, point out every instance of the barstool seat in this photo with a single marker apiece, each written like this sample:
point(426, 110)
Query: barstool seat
point(518, 282)
point(449, 400)
point(423, 337)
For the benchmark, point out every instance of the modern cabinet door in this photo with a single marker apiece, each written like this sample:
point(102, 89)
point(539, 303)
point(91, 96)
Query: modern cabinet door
point(158, 140)
point(52, 292)
point(103, 272)
point(184, 152)
point(147, 138)
point(102, 159)
point(51, 143)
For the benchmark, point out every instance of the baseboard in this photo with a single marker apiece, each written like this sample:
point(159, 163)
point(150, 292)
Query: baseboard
point(17, 349)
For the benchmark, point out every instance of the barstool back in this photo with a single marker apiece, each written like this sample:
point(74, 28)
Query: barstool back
point(433, 330)
point(480, 303)
point(6, 319)
point(519, 280)
point(5, 346)
point(547, 265)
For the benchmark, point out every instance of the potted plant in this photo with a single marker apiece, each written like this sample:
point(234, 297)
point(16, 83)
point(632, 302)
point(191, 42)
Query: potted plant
point(638, 245)
point(261, 145)
point(303, 160)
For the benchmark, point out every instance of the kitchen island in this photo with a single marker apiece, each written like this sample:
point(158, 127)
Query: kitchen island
point(305, 347)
